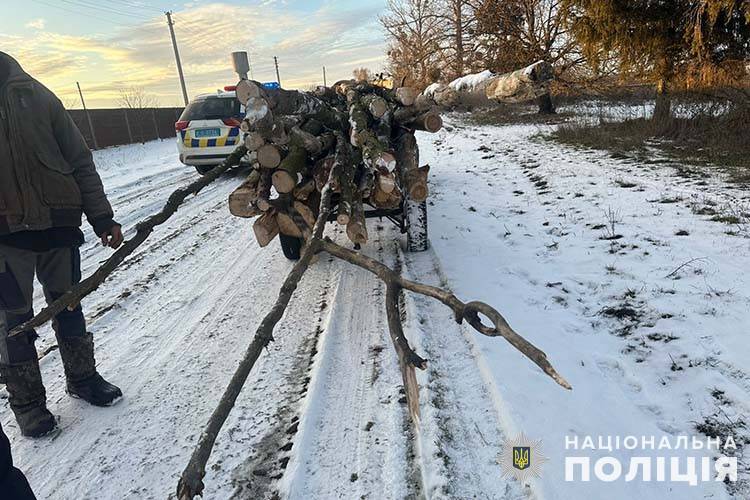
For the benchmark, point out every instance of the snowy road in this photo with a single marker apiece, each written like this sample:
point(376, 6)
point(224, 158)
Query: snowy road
point(516, 221)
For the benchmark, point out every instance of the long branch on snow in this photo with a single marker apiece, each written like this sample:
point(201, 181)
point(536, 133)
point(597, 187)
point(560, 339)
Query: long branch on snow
point(191, 480)
point(143, 230)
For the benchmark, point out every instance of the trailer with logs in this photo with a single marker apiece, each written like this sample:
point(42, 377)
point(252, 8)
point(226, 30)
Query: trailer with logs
point(359, 134)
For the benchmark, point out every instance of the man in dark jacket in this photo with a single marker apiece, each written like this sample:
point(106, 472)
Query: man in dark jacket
point(13, 484)
point(47, 181)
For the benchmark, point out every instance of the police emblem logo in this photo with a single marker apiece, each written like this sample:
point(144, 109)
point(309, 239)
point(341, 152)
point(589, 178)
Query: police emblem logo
point(522, 458)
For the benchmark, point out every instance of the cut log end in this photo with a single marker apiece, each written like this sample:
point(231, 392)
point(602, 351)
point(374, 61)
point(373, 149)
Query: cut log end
point(266, 228)
point(268, 156)
point(432, 122)
point(283, 181)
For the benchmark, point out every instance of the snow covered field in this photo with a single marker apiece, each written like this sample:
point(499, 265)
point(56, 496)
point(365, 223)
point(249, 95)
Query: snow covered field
point(615, 269)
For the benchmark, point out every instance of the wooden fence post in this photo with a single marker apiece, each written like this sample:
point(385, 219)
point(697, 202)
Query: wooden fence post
point(156, 124)
point(127, 124)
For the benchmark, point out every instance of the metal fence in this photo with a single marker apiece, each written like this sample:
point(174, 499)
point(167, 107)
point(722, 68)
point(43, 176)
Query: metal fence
point(113, 127)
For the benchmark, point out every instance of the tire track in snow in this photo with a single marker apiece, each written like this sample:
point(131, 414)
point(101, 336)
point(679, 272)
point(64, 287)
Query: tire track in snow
point(462, 431)
point(352, 440)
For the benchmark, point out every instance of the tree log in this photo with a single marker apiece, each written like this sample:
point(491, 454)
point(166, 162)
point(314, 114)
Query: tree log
point(521, 85)
point(269, 156)
point(415, 183)
point(376, 105)
point(254, 141)
point(306, 213)
point(264, 190)
point(242, 200)
point(291, 169)
point(356, 228)
point(287, 225)
point(406, 95)
point(266, 228)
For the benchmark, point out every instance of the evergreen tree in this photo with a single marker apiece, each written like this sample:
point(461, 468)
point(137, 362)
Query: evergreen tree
point(661, 39)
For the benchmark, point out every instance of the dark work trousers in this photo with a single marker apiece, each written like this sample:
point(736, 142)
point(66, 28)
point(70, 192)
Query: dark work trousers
point(57, 270)
point(13, 484)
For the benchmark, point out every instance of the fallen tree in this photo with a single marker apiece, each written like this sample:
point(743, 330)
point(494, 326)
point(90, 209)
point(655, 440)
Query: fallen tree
point(523, 85)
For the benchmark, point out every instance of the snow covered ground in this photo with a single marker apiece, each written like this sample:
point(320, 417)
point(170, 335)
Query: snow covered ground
point(615, 269)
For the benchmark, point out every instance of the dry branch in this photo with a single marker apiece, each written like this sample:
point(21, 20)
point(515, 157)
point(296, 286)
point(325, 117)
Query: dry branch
point(143, 230)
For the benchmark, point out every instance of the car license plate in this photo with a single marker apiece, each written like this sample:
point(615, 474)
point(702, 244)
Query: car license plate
point(207, 132)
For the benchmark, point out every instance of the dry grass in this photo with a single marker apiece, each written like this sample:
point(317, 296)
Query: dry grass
point(715, 133)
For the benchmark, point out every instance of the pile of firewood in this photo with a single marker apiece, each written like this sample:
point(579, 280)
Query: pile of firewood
point(360, 133)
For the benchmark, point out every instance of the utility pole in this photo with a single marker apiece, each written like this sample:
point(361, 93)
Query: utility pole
point(276, 63)
point(170, 23)
point(88, 117)
point(325, 84)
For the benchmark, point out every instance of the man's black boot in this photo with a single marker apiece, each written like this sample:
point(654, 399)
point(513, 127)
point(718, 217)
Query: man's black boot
point(83, 381)
point(27, 398)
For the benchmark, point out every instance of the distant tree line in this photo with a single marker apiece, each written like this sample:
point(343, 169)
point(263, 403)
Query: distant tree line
point(672, 44)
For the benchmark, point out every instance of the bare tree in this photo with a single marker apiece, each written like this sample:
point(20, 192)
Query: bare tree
point(459, 45)
point(136, 98)
point(137, 103)
point(362, 74)
point(515, 33)
point(416, 29)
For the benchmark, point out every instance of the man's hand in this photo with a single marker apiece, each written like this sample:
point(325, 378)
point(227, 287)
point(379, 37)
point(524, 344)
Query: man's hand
point(113, 237)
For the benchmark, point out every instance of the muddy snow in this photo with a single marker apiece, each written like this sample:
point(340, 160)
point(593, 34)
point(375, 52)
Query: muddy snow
point(630, 276)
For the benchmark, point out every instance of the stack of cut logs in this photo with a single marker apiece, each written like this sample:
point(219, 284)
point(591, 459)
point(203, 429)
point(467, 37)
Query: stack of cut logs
point(358, 135)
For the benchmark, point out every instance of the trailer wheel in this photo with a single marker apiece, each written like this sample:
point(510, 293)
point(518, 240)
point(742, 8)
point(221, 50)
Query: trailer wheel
point(415, 220)
point(291, 246)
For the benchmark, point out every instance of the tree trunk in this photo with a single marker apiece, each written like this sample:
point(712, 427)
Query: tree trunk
point(546, 106)
point(458, 23)
point(663, 106)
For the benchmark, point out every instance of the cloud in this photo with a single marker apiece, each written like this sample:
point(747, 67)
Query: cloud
point(337, 34)
point(37, 24)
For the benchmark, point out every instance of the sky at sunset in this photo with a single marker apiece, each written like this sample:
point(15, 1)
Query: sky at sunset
point(110, 45)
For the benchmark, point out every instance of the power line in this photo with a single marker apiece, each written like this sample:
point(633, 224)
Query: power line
point(97, 7)
point(133, 5)
point(78, 12)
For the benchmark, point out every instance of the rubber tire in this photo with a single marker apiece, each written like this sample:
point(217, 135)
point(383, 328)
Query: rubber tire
point(291, 246)
point(204, 169)
point(415, 216)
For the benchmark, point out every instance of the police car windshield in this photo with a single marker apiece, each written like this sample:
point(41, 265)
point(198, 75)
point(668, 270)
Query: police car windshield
point(211, 108)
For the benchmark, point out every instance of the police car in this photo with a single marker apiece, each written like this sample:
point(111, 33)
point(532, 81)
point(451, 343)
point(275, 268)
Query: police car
point(208, 130)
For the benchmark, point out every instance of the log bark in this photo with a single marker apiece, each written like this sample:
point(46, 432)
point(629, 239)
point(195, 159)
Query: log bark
point(287, 225)
point(291, 169)
point(521, 85)
point(415, 183)
point(264, 191)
